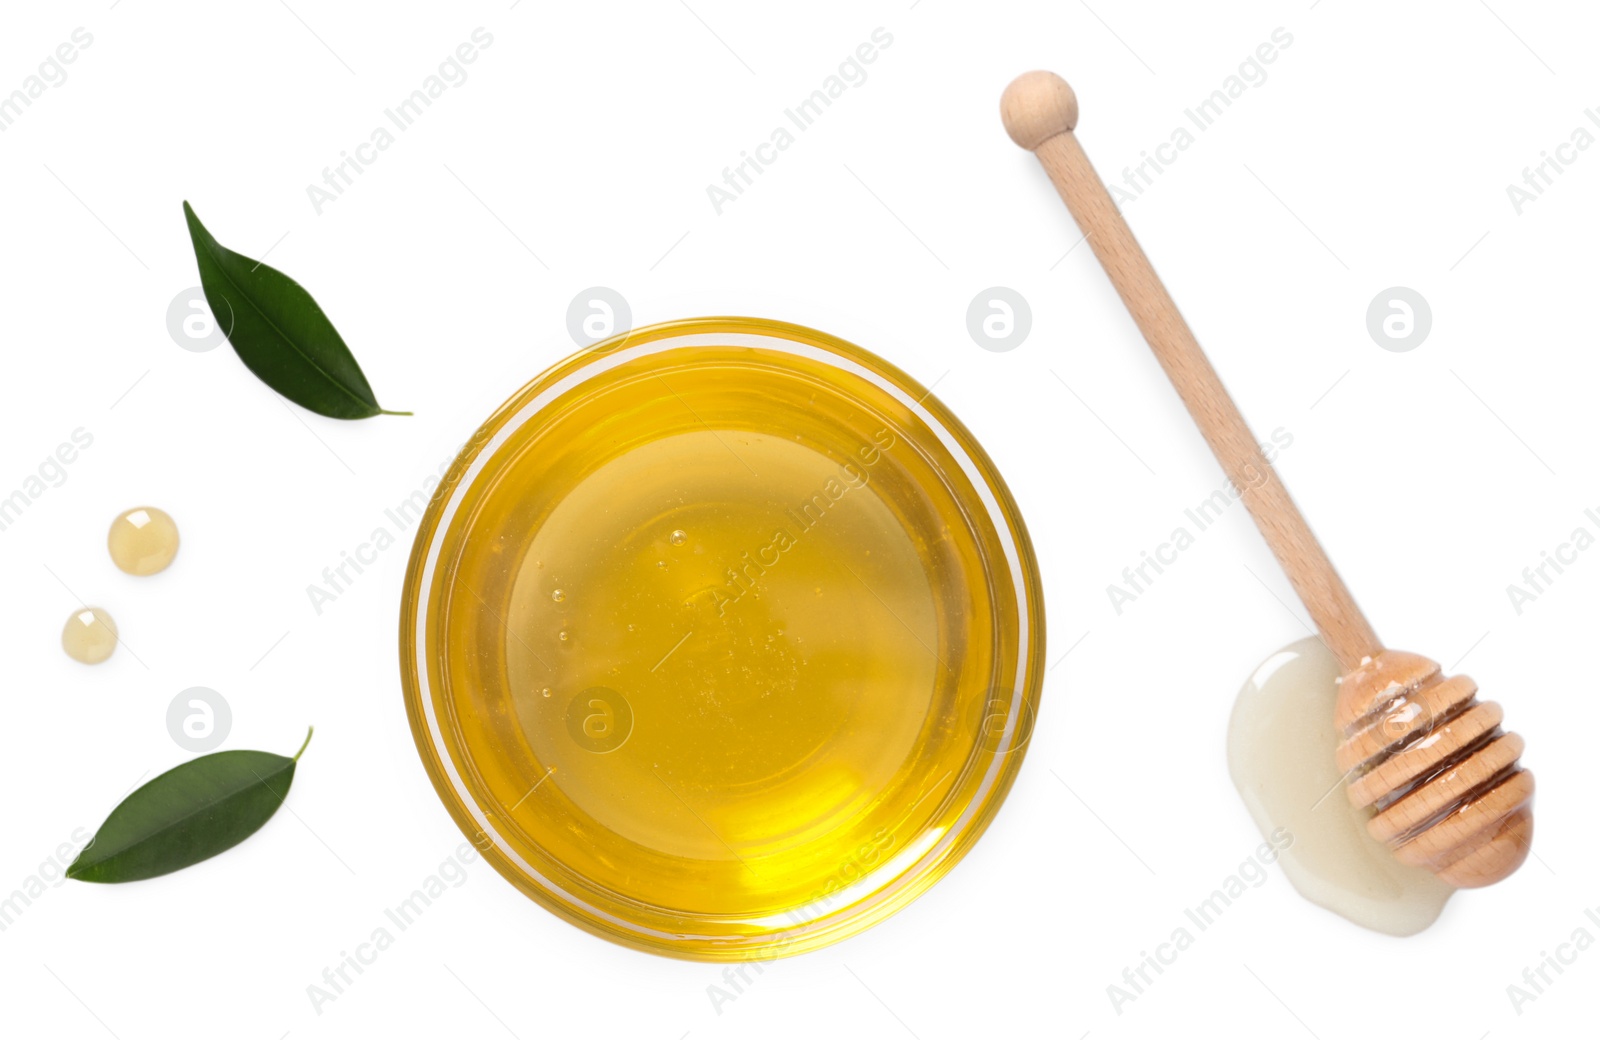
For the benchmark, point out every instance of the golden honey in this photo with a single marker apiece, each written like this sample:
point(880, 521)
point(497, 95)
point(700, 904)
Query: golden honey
point(722, 640)
point(1281, 741)
point(89, 636)
point(143, 541)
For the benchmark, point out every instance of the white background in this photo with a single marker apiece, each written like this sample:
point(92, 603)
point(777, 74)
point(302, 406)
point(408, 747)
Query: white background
point(1376, 154)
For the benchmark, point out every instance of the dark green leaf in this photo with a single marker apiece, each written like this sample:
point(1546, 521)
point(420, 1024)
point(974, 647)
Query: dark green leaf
point(187, 814)
point(279, 332)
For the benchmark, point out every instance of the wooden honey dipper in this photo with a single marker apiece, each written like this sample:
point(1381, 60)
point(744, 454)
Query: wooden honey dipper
point(1430, 761)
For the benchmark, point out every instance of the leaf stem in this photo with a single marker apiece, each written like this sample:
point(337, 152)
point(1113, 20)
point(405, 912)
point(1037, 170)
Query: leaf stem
point(385, 411)
point(309, 730)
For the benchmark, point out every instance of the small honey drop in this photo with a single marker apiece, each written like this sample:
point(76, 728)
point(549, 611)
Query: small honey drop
point(563, 636)
point(558, 595)
point(143, 541)
point(545, 692)
point(678, 537)
point(89, 636)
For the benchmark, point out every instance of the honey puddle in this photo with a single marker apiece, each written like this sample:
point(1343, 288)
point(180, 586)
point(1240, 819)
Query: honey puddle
point(1281, 742)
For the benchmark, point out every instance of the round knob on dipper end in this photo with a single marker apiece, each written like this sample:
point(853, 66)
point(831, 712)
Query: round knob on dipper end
point(1036, 107)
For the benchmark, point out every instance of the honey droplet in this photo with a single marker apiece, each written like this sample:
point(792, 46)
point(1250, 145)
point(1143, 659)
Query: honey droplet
point(563, 636)
point(558, 595)
point(89, 636)
point(545, 692)
point(143, 541)
point(678, 537)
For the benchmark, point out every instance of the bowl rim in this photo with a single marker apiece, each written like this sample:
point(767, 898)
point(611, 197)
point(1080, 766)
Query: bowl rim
point(526, 405)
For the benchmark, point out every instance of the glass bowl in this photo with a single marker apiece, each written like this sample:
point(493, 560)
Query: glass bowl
point(722, 639)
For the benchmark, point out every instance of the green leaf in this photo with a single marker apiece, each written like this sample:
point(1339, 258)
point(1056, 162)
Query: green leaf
point(187, 814)
point(279, 332)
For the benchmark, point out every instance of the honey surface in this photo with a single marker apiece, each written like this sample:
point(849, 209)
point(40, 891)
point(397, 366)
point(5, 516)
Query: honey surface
point(720, 643)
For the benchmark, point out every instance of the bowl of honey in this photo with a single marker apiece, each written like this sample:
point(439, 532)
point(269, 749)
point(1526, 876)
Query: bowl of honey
point(723, 639)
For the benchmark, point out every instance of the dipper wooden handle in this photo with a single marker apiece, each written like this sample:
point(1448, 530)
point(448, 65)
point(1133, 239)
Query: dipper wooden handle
point(1431, 762)
point(1040, 111)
